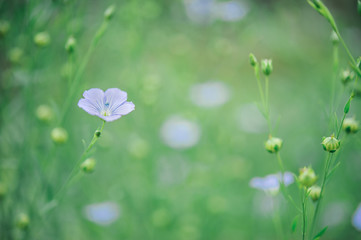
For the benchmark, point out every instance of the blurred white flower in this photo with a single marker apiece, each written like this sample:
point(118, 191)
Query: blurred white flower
point(250, 119)
point(356, 218)
point(231, 11)
point(199, 11)
point(271, 183)
point(210, 94)
point(180, 133)
point(103, 213)
point(205, 11)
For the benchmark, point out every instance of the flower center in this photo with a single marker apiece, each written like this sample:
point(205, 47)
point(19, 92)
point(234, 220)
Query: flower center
point(105, 113)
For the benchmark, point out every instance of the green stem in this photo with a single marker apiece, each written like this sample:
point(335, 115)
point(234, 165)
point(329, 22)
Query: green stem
point(256, 73)
point(283, 187)
point(80, 72)
point(340, 127)
point(76, 169)
point(326, 170)
point(304, 209)
point(335, 74)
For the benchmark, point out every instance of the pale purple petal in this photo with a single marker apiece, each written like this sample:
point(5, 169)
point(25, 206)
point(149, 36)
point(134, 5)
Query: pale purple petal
point(110, 118)
point(124, 109)
point(88, 106)
point(96, 97)
point(114, 97)
point(356, 218)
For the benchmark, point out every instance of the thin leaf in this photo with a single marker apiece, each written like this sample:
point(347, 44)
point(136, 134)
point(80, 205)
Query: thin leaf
point(320, 234)
point(294, 224)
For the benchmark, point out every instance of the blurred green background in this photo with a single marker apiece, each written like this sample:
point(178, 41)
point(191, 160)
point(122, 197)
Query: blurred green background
point(179, 166)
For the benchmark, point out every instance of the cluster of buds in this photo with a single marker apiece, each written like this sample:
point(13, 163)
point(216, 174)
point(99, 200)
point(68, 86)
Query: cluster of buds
point(330, 144)
point(273, 144)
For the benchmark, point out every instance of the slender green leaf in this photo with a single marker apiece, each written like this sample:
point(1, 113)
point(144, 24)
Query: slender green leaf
point(320, 234)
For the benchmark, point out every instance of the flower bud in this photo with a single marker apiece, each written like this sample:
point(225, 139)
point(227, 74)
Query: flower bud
point(88, 165)
point(70, 44)
point(3, 190)
point(358, 62)
point(267, 67)
point(334, 38)
point(59, 135)
point(347, 76)
point(252, 59)
point(42, 39)
point(273, 144)
point(315, 193)
point(307, 177)
point(350, 125)
point(23, 221)
point(330, 144)
point(109, 12)
point(4, 28)
point(98, 133)
point(44, 113)
point(15, 55)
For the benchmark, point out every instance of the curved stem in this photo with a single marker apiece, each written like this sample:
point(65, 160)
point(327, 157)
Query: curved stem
point(75, 170)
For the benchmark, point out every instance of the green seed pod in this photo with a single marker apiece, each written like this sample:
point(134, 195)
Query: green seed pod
point(59, 135)
point(307, 177)
point(44, 113)
point(88, 165)
point(315, 193)
point(109, 12)
point(15, 55)
point(267, 67)
point(334, 38)
point(330, 144)
point(23, 221)
point(4, 28)
point(273, 144)
point(359, 6)
point(350, 125)
point(42, 39)
point(70, 44)
point(347, 76)
point(252, 59)
point(3, 190)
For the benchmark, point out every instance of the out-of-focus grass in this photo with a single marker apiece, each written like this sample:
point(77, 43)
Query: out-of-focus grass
point(156, 54)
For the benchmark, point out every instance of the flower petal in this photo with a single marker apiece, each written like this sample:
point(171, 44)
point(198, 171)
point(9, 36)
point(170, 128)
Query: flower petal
point(114, 97)
point(110, 118)
point(124, 109)
point(96, 97)
point(88, 106)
